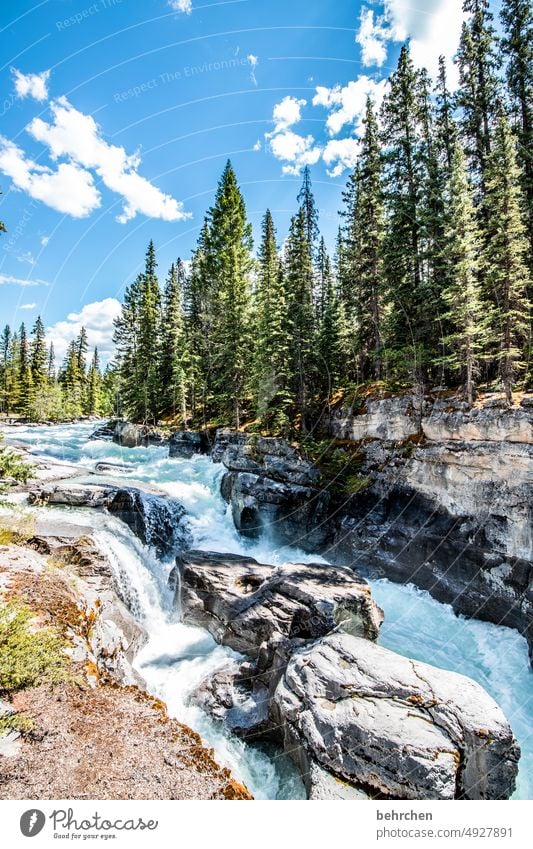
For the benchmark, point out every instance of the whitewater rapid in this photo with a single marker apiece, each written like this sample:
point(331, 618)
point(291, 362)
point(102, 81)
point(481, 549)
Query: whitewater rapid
point(178, 657)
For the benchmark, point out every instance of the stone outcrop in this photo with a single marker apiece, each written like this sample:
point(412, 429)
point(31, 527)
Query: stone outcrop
point(157, 520)
point(268, 483)
point(186, 443)
point(395, 726)
point(450, 507)
point(358, 720)
point(131, 435)
point(266, 613)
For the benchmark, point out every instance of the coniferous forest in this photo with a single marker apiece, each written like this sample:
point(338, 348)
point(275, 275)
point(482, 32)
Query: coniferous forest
point(429, 283)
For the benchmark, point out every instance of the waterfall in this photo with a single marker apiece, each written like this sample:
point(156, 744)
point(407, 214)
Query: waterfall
point(178, 657)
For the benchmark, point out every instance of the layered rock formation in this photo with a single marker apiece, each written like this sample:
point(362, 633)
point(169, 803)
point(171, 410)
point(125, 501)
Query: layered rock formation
point(157, 520)
point(449, 506)
point(268, 483)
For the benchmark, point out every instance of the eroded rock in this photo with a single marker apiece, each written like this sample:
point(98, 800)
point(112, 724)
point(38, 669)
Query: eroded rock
point(397, 726)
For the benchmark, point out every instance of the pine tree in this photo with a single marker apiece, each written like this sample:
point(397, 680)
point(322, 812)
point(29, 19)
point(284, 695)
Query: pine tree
point(329, 359)
point(94, 387)
point(174, 353)
point(39, 356)
point(51, 368)
point(479, 88)
point(72, 382)
point(199, 316)
point(149, 325)
point(365, 248)
point(26, 393)
point(446, 127)
point(405, 180)
point(517, 48)
point(467, 314)
point(5, 351)
point(298, 268)
point(306, 199)
point(505, 253)
point(126, 339)
point(231, 238)
point(271, 343)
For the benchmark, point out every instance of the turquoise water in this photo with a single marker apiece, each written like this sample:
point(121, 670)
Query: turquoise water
point(415, 624)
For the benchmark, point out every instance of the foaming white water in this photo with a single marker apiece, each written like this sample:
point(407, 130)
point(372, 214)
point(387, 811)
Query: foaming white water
point(177, 657)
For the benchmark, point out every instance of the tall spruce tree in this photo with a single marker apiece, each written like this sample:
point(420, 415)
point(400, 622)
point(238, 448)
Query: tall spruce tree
point(467, 314)
point(231, 238)
point(94, 386)
point(506, 246)
point(199, 315)
point(271, 342)
point(298, 269)
point(25, 380)
point(446, 128)
point(517, 48)
point(405, 180)
point(174, 352)
point(39, 356)
point(366, 245)
point(149, 399)
point(479, 86)
point(306, 199)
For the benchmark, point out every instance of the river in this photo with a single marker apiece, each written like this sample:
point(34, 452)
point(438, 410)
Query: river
point(177, 657)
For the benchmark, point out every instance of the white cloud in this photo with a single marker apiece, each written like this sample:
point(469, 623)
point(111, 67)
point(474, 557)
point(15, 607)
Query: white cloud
point(294, 149)
point(181, 6)
point(426, 23)
point(69, 189)
point(97, 318)
point(31, 85)
point(287, 113)
point(77, 136)
point(372, 37)
point(347, 103)
point(45, 240)
point(254, 62)
point(342, 154)
point(258, 145)
point(9, 280)
point(27, 306)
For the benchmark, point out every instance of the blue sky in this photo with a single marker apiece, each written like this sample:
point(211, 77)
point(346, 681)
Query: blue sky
point(118, 117)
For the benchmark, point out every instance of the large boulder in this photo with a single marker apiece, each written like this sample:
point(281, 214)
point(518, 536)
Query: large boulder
point(270, 485)
point(131, 435)
point(186, 443)
point(250, 606)
point(72, 495)
point(395, 726)
point(266, 613)
point(157, 520)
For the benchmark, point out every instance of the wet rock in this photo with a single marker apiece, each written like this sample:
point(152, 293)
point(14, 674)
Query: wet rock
point(251, 607)
point(266, 613)
point(131, 435)
point(186, 443)
point(157, 520)
point(105, 432)
point(402, 728)
point(72, 495)
point(269, 484)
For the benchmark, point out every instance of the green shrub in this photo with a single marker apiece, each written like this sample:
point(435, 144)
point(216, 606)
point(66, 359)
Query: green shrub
point(12, 465)
point(27, 657)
